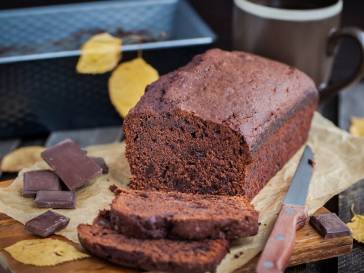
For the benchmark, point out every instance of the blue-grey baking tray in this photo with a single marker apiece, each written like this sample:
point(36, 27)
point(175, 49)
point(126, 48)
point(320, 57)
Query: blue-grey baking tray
point(33, 33)
point(40, 90)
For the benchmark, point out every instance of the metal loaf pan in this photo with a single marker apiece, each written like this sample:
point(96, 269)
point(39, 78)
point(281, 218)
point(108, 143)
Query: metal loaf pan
point(39, 47)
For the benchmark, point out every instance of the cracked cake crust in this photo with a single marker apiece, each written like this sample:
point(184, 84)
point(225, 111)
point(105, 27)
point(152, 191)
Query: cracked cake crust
point(223, 124)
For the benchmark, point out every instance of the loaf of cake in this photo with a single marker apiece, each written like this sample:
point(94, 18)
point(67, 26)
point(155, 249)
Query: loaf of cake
point(159, 254)
point(155, 215)
point(223, 124)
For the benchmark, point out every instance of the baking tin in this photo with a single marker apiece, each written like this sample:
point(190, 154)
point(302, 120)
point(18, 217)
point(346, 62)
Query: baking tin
point(40, 90)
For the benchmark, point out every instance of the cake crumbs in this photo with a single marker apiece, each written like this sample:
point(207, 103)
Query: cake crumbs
point(312, 163)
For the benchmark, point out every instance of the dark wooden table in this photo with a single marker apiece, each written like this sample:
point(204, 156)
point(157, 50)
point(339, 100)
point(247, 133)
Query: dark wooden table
point(351, 103)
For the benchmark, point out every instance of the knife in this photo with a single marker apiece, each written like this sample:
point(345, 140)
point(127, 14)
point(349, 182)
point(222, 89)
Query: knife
point(293, 215)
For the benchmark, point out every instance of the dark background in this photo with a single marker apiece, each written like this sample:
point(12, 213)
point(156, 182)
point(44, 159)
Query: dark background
point(218, 15)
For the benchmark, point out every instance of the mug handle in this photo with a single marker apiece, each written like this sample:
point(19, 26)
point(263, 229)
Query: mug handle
point(358, 36)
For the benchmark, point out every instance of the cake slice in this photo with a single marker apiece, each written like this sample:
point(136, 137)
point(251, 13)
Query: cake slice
point(160, 254)
point(144, 214)
point(223, 124)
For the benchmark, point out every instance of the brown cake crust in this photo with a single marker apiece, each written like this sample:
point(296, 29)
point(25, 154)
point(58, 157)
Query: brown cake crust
point(223, 124)
point(143, 214)
point(160, 254)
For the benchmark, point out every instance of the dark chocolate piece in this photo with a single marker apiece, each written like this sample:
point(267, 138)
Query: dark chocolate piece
point(329, 225)
point(101, 162)
point(55, 199)
point(42, 180)
point(46, 223)
point(71, 164)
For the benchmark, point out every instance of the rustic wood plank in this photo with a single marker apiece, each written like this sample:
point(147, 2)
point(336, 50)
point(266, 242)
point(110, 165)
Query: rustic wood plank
point(6, 183)
point(351, 104)
point(310, 246)
point(12, 231)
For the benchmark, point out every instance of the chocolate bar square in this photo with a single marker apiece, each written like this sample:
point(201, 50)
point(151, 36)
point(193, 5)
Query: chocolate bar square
point(71, 164)
point(35, 181)
point(329, 225)
point(46, 223)
point(55, 199)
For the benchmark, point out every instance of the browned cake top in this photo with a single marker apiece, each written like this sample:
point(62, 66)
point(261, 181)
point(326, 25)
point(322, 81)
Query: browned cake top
point(180, 206)
point(243, 91)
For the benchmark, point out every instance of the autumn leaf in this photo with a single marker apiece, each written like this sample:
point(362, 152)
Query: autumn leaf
point(44, 252)
point(357, 127)
point(356, 225)
point(128, 82)
point(100, 54)
point(21, 158)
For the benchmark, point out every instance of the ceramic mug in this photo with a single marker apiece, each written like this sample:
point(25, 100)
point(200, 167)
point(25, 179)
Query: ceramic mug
point(301, 33)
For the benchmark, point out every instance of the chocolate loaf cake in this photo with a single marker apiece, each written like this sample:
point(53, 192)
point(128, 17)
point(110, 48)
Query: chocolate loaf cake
point(160, 254)
point(223, 124)
point(143, 214)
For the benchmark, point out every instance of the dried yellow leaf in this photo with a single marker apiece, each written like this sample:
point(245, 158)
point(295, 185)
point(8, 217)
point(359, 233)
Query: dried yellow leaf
point(357, 127)
point(44, 252)
point(21, 158)
point(128, 82)
point(357, 227)
point(100, 54)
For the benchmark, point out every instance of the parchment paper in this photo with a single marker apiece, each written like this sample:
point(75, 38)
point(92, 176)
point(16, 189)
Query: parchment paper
point(339, 160)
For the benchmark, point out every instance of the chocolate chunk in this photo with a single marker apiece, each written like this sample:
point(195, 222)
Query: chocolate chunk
point(47, 223)
point(114, 189)
point(329, 225)
point(55, 199)
point(71, 164)
point(101, 162)
point(42, 180)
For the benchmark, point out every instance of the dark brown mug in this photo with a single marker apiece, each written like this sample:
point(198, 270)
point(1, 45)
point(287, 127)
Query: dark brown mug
point(301, 33)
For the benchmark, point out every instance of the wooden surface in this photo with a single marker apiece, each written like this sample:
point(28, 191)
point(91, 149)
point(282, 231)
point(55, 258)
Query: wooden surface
point(310, 246)
point(353, 262)
point(279, 251)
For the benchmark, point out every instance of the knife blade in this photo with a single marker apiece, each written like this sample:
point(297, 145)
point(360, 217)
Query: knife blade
point(293, 215)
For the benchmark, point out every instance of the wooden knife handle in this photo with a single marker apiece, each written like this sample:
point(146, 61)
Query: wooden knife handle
point(278, 249)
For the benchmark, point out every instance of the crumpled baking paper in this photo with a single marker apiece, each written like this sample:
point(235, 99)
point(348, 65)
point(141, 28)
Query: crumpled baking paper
point(339, 159)
point(89, 200)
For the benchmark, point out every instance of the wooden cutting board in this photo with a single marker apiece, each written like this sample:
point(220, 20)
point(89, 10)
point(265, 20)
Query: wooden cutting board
point(309, 247)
